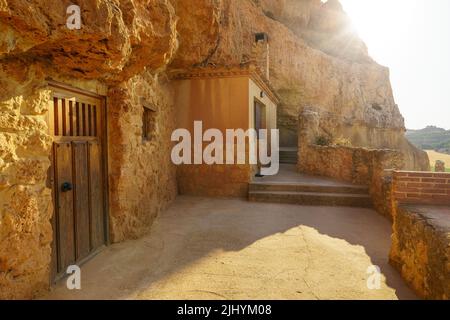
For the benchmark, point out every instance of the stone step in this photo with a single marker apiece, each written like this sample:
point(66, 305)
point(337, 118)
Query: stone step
point(288, 153)
point(288, 161)
point(312, 198)
point(288, 157)
point(296, 187)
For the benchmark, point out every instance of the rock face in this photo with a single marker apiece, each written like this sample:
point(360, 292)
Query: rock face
point(420, 249)
point(421, 232)
point(25, 201)
point(142, 176)
point(440, 166)
point(118, 38)
point(316, 60)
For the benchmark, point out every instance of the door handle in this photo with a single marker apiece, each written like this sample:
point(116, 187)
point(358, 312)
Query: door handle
point(66, 186)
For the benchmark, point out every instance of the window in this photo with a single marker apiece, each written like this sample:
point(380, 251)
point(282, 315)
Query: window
point(148, 124)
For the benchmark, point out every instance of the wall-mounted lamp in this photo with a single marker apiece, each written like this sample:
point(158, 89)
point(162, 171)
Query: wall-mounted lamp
point(261, 36)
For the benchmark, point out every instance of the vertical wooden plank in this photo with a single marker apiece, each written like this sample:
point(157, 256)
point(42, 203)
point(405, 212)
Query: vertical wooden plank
point(77, 107)
point(63, 117)
point(83, 120)
point(51, 119)
point(55, 116)
point(99, 124)
point(95, 120)
point(90, 120)
point(71, 119)
point(55, 258)
point(64, 210)
point(81, 191)
point(96, 195)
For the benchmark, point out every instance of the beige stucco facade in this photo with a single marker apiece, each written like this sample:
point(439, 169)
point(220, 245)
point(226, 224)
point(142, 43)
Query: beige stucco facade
point(221, 100)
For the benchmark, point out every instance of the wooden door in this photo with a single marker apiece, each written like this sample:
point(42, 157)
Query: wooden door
point(79, 185)
point(260, 116)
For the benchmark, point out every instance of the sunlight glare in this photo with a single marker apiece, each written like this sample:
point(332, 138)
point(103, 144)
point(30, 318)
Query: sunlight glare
point(412, 38)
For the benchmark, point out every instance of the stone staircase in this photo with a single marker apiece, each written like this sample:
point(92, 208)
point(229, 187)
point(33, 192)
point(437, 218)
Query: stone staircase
point(288, 156)
point(293, 188)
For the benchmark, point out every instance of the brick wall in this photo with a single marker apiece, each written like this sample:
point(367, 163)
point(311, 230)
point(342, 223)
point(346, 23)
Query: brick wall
point(422, 187)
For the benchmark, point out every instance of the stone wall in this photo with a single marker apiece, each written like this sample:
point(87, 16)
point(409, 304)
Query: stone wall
point(141, 174)
point(315, 124)
point(421, 231)
point(357, 165)
point(25, 200)
point(420, 249)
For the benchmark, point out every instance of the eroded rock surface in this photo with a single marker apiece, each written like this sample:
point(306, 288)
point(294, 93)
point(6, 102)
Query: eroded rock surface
point(118, 39)
point(420, 249)
point(316, 60)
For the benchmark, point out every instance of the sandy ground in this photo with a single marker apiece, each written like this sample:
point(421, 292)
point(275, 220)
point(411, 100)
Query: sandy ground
point(232, 249)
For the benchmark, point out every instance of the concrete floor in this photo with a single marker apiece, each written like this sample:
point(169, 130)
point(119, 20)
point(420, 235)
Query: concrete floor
point(232, 249)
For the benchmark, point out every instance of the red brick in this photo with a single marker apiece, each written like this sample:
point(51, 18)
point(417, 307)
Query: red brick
point(426, 195)
point(441, 175)
point(434, 191)
point(441, 198)
point(400, 174)
point(410, 190)
point(399, 195)
point(442, 185)
point(420, 185)
point(413, 195)
point(414, 200)
point(433, 180)
point(420, 201)
point(420, 174)
point(409, 180)
point(401, 185)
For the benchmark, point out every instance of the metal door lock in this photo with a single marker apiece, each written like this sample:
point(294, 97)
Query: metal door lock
point(66, 186)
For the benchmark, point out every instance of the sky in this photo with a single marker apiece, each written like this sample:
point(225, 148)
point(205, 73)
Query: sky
point(412, 38)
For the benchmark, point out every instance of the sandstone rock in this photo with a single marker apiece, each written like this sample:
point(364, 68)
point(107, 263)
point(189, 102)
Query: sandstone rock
point(25, 237)
point(419, 249)
point(440, 166)
point(117, 39)
point(308, 65)
point(139, 170)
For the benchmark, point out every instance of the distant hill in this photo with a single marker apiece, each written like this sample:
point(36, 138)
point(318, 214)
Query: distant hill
point(430, 138)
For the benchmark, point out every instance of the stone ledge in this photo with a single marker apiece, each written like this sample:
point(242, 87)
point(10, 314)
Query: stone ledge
point(421, 249)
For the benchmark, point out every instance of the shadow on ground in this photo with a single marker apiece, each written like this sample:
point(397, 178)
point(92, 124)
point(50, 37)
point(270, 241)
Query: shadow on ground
point(232, 249)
